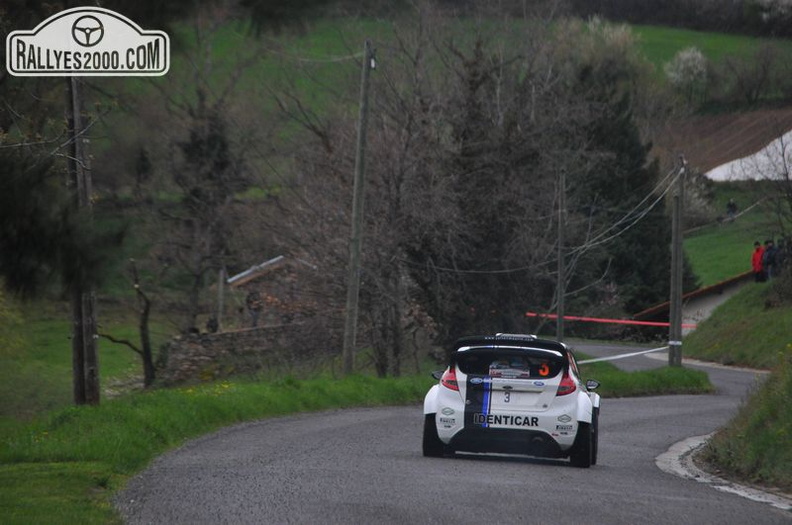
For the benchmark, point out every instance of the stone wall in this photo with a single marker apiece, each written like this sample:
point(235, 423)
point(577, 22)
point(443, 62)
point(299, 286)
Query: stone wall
point(204, 357)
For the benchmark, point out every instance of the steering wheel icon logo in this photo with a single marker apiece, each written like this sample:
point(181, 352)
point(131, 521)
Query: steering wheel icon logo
point(87, 31)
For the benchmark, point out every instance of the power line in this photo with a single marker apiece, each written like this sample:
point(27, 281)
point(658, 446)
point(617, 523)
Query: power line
point(638, 215)
point(327, 60)
point(597, 239)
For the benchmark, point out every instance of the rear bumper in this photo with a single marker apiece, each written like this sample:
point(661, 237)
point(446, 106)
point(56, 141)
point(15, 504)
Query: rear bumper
point(507, 441)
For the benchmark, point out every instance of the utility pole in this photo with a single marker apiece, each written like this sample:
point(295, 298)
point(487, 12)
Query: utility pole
point(353, 277)
point(85, 359)
point(675, 304)
point(561, 284)
point(221, 281)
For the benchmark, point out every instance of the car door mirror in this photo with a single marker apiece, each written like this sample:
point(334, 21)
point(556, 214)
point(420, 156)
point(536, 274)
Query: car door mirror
point(438, 374)
point(592, 384)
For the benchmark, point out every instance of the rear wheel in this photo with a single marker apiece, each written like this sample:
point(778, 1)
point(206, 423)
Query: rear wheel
point(581, 455)
point(432, 446)
point(594, 435)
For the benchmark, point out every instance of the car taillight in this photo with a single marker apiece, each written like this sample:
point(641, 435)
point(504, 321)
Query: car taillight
point(566, 386)
point(449, 379)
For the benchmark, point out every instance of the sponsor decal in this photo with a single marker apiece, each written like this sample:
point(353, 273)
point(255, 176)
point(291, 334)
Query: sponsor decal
point(478, 398)
point(447, 411)
point(514, 421)
point(447, 422)
point(566, 428)
point(87, 41)
point(565, 418)
point(509, 374)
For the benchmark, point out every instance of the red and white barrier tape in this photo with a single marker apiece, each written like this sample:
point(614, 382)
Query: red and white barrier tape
point(621, 356)
point(602, 320)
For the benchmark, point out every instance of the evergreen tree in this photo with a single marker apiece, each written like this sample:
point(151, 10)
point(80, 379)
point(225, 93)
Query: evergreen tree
point(42, 235)
point(619, 189)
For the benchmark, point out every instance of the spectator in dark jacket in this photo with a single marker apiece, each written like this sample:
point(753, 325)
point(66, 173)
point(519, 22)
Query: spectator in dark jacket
point(731, 209)
point(769, 258)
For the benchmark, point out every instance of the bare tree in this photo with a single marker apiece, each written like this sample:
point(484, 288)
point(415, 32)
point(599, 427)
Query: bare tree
point(751, 76)
point(206, 156)
point(144, 349)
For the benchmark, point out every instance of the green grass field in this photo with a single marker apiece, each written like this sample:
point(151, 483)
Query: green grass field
point(660, 44)
point(37, 368)
point(721, 250)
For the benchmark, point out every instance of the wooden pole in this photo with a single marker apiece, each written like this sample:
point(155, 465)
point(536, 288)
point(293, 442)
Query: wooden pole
point(85, 359)
point(675, 312)
point(353, 277)
point(561, 284)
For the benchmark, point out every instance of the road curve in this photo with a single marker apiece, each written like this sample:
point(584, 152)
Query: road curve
point(365, 466)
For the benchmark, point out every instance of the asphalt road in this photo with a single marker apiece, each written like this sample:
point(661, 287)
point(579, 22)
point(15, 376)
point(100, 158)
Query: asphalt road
point(365, 466)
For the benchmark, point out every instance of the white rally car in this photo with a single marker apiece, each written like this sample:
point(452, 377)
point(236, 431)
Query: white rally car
point(513, 394)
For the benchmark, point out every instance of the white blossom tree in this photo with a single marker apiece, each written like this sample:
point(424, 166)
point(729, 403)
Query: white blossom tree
point(687, 72)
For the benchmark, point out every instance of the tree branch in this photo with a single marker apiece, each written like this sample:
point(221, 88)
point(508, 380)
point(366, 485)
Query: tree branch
point(121, 342)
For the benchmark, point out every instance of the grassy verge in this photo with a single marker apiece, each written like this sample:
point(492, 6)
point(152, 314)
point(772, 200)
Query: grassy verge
point(64, 468)
point(755, 444)
point(751, 329)
point(748, 330)
point(661, 381)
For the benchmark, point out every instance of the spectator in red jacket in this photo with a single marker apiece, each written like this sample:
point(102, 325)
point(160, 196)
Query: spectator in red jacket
point(756, 262)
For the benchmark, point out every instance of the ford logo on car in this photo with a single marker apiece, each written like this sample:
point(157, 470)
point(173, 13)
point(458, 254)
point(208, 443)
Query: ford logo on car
point(476, 380)
point(539, 383)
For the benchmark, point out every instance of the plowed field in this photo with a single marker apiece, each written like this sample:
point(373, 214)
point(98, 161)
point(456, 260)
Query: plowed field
point(709, 141)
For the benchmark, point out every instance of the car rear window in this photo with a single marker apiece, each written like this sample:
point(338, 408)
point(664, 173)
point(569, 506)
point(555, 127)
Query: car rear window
point(510, 363)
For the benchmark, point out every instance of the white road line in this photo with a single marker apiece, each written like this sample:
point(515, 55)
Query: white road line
point(678, 460)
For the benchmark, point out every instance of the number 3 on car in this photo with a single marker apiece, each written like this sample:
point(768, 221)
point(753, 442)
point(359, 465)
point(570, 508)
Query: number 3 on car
point(515, 394)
